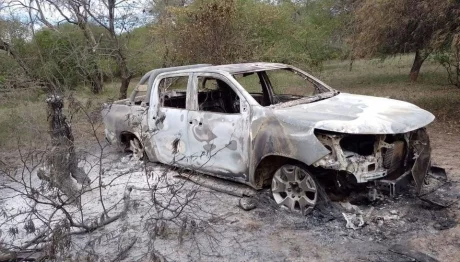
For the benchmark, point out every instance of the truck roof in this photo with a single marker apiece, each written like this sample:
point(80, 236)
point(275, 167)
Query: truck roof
point(235, 68)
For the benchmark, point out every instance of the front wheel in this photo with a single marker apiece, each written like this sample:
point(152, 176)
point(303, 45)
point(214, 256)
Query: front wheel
point(295, 188)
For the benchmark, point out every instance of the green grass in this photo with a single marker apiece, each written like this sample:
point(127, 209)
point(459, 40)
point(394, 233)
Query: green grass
point(390, 78)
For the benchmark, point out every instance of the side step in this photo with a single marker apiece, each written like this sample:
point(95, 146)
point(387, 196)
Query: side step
point(219, 185)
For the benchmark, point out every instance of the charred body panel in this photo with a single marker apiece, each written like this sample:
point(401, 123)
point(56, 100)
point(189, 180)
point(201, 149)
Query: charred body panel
point(357, 114)
point(272, 137)
point(123, 121)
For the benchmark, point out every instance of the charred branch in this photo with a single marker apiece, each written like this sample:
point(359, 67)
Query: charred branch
point(61, 162)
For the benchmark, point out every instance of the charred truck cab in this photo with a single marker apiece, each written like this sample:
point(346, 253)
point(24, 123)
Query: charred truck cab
point(268, 124)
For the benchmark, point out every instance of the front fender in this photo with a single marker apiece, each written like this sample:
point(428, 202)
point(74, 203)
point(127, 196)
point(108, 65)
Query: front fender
point(270, 136)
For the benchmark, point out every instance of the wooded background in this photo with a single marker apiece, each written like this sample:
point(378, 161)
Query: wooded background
point(97, 49)
point(91, 42)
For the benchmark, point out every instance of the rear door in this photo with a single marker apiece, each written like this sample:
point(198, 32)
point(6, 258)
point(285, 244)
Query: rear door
point(217, 127)
point(168, 117)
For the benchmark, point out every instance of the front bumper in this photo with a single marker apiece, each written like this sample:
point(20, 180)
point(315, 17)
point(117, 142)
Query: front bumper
point(386, 156)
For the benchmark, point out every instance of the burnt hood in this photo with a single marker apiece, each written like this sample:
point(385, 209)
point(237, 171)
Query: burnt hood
point(357, 114)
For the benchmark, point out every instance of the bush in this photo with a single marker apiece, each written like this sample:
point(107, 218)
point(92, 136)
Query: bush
point(450, 60)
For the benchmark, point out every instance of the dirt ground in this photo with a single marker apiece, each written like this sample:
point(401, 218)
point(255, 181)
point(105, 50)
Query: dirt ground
point(445, 244)
point(218, 229)
point(268, 233)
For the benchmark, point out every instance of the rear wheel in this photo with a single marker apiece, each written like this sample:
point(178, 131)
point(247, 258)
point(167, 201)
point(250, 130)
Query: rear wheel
point(136, 148)
point(295, 188)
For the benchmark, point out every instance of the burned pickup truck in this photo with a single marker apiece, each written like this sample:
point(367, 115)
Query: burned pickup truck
point(270, 125)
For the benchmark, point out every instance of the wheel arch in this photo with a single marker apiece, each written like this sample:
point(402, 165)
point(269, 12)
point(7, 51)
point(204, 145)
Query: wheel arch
point(268, 165)
point(126, 136)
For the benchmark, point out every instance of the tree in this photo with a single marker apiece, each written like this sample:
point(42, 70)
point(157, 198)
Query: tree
point(313, 31)
point(113, 16)
point(388, 27)
point(64, 55)
point(12, 32)
point(211, 31)
point(79, 18)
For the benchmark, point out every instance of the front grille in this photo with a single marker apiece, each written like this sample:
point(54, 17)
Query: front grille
point(393, 157)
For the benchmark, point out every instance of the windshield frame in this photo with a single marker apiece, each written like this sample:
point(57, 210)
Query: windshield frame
point(326, 92)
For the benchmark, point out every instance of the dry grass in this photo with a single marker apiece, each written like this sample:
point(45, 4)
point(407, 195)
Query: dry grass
point(21, 118)
point(23, 115)
point(390, 78)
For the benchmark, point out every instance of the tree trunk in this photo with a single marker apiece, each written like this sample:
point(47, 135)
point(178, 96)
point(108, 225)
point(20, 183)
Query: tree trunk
point(418, 61)
point(124, 87)
point(95, 79)
point(96, 83)
point(125, 74)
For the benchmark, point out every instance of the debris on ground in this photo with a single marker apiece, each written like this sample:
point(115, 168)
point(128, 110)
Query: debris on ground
point(375, 195)
point(390, 217)
point(247, 203)
point(444, 224)
point(443, 196)
point(354, 221)
point(340, 227)
point(411, 253)
point(353, 216)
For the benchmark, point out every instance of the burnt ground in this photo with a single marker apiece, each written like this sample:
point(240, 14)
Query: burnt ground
point(218, 229)
point(268, 233)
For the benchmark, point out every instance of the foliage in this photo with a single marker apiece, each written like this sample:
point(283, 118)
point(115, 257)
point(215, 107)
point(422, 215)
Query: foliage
point(15, 32)
point(301, 32)
point(388, 27)
point(314, 31)
point(210, 31)
point(449, 58)
point(59, 57)
point(142, 54)
point(395, 26)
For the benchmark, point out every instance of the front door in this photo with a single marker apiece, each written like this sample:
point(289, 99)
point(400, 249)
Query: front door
point(217, 128)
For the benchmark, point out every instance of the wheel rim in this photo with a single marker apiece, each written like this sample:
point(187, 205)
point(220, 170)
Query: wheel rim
point(294, 188)
point(136, 148)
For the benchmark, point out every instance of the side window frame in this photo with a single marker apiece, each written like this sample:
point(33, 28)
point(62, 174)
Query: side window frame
point(194, 106)
point(317, 85)
point(157, 92)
